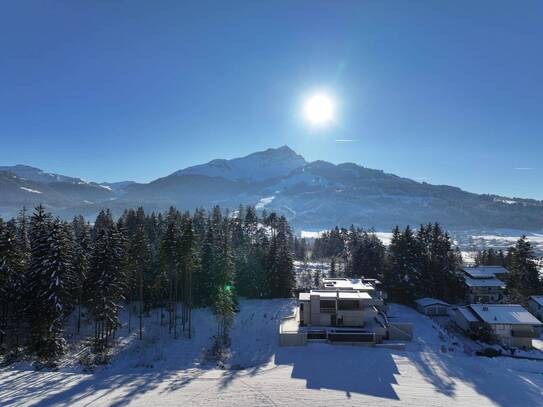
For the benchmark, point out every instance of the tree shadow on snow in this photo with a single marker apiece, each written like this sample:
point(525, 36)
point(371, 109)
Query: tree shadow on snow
point(507, 382)
point(519, 383)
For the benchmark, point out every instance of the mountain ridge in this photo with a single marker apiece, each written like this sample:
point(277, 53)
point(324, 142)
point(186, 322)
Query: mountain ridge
point(316, 194)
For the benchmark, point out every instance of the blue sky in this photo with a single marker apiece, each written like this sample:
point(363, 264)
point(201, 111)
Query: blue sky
point(450, 92)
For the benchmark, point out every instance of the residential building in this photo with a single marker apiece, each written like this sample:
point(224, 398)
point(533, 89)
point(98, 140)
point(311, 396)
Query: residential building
point(484, 284)
point(512, 324)
point(343, 310)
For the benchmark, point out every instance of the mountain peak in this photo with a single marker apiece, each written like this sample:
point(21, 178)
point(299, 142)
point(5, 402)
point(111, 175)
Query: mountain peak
point(255, 167)
point(284, 149)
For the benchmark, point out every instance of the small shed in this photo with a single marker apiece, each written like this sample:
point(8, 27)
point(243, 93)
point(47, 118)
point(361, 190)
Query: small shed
point(432, 306)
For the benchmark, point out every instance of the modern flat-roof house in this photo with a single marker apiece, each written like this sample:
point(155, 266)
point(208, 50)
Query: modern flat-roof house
point(483, 284)
point(341, 302)
point(432, 306)
point(535, 306)
point(343, 310)
point(512, 324)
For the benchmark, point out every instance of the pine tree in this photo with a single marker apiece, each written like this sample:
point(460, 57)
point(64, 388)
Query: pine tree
point(279, 278)
point(523, 279)
point(205, 277)
point(139, 254)
point(223, 308)
point(170, 268)
point(186, 257)
point(51, 279)
point(14, 258)
point(11, 273)
point(81, 262)
point(439, 264)
point(107, 283)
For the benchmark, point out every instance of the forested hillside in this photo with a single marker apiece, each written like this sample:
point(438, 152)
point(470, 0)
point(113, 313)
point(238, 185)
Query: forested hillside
point(50, 269)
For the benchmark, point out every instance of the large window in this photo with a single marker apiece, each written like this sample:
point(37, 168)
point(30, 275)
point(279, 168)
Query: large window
point(347, 305)
point(328, 305)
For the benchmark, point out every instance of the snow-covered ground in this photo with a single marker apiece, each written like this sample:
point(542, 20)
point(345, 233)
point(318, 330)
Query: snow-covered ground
point(160, 371)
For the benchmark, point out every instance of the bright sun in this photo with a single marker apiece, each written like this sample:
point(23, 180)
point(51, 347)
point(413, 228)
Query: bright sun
point(319, 109)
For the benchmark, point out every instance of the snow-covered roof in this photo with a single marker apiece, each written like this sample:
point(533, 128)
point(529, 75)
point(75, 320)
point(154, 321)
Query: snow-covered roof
point(484, 282)
point(425, 302)
point(511, 314)
point(346, 284)
point(467, 314)
point(343, 295)
point(538, 299)
point(484, 271)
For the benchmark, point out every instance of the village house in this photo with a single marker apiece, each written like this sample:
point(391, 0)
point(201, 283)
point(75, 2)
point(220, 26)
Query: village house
point(484, 284)
point(511, 324)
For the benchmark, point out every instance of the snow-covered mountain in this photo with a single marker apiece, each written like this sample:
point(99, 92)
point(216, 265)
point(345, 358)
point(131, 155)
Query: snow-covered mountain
point(29, 173)
point(260, 166)
point(313, 195)
point(16, 192)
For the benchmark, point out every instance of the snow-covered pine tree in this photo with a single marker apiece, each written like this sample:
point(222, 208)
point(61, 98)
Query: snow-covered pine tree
point(107, 282)
point(169, 266)
point(139, 259)
point(81, 259)
point(11, 270)
point(14, 255)
point(40, 223)
point(50, 283)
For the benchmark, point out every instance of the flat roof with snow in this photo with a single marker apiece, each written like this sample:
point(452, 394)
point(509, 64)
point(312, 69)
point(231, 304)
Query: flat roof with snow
point(346, 284)
point(484, 282)
point(484, 271)
point(343, 295)
point(511, 314)
point(468, 314)
point(425, 302)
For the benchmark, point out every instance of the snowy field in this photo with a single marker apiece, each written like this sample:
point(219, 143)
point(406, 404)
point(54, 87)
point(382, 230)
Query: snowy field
point(158, 371)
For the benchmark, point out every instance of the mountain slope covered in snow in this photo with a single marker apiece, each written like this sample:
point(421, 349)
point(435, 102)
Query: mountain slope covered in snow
point(313, 195)
point(259, 166)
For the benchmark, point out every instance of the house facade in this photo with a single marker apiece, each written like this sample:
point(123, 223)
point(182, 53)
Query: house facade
point(432, 306)
point(340, 302)
point(337, 308)
point(484, 284)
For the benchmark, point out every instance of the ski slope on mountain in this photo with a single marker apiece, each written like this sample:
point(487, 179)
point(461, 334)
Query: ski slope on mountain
point(160, 371)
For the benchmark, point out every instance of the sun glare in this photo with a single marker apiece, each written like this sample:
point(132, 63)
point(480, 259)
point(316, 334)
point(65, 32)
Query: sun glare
point(319, 110)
